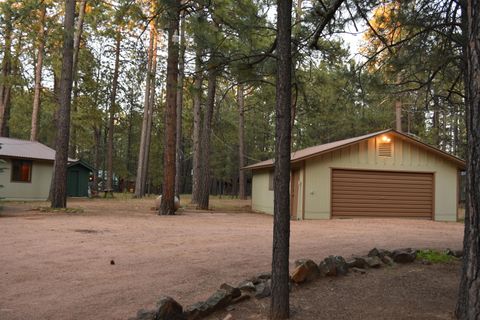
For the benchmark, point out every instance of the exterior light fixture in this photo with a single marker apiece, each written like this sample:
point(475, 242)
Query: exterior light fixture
point(386, 139)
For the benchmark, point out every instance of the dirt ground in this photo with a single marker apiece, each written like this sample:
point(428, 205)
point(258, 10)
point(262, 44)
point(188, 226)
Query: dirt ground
point(58, 265)
point(412, 291)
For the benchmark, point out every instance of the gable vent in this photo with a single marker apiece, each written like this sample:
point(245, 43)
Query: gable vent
point(385, 149)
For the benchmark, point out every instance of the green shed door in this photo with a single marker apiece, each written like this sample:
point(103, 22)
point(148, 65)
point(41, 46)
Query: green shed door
point(72, 183)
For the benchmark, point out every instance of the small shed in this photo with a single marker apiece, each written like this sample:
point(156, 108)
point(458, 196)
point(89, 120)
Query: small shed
point(381, 174)
point(78, 175)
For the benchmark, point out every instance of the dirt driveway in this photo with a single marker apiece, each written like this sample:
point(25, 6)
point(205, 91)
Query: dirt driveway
point(58, 266)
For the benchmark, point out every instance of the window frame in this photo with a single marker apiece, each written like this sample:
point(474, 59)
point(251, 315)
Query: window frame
point(22, 161)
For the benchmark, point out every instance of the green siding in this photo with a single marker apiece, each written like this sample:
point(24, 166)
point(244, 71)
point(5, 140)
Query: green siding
point(77, 181)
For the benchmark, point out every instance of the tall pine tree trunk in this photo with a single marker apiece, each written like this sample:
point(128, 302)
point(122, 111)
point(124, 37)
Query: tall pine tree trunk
point(151, 105)
point(468, 304)
point(197, 133)
point(5, 85)
point(59, 194)
point(241, 141)
point(167, 206)
point(76, 50)
point(280, 306)
point(204, 187)
point(112, 110)
point(181, 67)
point(38, 76)
point(140, 178)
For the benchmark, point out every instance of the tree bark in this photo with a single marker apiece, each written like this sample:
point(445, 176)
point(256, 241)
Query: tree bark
point(76, 50)
point(280, 307)
point(151, 105)
point(5, 85)
point(59, 196)
point(181, 67)
point(112, 110)
point(197, 100)
point(38, 76)
point(241, 141)
point(167, 206)
point(204, 187)
point(140, 179)
point(468, 304)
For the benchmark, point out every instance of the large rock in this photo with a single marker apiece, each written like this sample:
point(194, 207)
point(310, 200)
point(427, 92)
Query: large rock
point(341, 266)
point(247, 286)
point(387, 260)
point(327, 267)
point(357, 262)
point(306, 270)
point(231, 291)
point(454, 253)
point(219, 300)
point(373, 262)
point(167, 309)
point(333, 266)
point(263, 289)
point(379, 253)
point(158, 201)
point(404, 255)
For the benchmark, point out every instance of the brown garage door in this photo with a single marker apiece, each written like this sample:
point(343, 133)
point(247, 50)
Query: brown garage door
point(358, 193)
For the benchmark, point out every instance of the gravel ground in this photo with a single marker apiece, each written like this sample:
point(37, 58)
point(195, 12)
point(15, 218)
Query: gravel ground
point(58, 266)
point(412, 291)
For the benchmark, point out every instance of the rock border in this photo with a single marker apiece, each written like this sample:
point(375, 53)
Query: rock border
point(259, 286)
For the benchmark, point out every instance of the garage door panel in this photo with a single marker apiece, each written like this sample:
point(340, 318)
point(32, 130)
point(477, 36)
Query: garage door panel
point(367, 197)
point(346, 180)
point(384, 174)
point(368, 189)
point(381, 194)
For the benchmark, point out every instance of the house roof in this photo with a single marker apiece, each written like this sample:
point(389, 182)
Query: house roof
point(81, 163)
point(314, 151)
point(16, 148)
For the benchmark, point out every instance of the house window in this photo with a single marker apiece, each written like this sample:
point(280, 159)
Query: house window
point(21, 171)
point(270, 180)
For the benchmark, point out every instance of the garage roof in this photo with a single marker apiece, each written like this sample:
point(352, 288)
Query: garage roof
point(329, 147)
point(16, 148)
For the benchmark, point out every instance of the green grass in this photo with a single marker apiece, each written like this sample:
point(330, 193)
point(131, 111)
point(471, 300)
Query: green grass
point(435, 256)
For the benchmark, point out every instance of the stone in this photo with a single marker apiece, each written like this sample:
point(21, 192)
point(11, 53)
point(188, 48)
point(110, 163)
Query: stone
point(387, 260)
point(232, 291)
point(379, 253)
point(373, 262)
point(243, 297)
point(327, 267)
point(143, 314)
point(196, 311)
point(358, 270)
point(263, 289)
point(340, 266)
point(169, 309)
point(219, 300)
point(454, 253)
point(307, 270)
point(228, 317)
point(357, 262)
point(404, 255)
point(264, 275)
point(158, 200)
point(426, 262)
point(246, 286)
